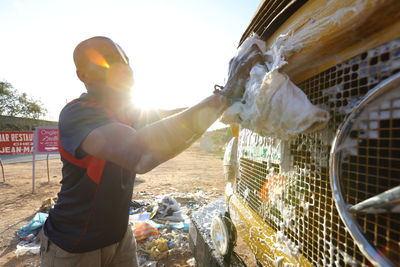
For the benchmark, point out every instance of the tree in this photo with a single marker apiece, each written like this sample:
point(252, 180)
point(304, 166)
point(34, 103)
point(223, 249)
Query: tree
point(14, 103)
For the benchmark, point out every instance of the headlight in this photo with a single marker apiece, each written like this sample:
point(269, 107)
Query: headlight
point(220, 235)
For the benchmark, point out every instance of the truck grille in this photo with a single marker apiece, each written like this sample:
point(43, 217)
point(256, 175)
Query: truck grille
point(287, 182)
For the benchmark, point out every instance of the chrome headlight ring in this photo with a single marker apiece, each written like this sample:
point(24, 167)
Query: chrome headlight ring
point(338, 151)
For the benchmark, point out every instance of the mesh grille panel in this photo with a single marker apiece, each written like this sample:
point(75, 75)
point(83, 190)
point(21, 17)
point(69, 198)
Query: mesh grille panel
point(293, 194)
point(371, 165)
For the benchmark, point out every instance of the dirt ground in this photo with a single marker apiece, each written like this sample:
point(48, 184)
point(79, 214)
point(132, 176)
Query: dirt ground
point(191, 171)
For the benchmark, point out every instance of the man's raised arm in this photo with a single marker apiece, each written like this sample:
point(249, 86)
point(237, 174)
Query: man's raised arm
point(145, 117)
point(142, 150)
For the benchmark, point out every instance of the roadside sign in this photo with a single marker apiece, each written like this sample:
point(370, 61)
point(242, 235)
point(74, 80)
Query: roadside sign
point(16, 142)
point(45, 141)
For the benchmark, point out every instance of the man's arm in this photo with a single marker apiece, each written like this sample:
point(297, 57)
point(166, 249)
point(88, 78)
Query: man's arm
point(146, 117)
point(155, 143)
point(142, 150)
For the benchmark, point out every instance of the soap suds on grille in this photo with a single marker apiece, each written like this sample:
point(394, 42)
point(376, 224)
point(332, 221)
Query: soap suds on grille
point(273, 105)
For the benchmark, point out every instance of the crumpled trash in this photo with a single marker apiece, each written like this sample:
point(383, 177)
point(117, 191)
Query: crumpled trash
point(136, 204)
point(169, 210)
point(273, 105)
point(178, 238)
point(191, 262)
point(149, 264)
point(175, 233)
point(143, 231)
point(47, 204)
point(34, 225)
point(136, 207)
point(157, 249)
point(184, 226)
point(32, 248)
point(186, 199)
point(140, 217)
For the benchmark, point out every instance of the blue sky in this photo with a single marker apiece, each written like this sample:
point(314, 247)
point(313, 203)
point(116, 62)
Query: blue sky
point(178, 49)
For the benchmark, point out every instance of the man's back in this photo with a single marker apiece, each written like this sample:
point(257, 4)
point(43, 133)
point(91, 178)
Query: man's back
point(93, 204)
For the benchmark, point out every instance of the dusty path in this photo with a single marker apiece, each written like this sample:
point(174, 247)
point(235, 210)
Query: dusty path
point(191, 171)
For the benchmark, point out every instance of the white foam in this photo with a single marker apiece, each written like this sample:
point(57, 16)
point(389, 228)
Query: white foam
point(274, 106)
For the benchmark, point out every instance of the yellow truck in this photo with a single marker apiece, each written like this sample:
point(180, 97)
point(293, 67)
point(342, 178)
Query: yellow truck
point(330, 197)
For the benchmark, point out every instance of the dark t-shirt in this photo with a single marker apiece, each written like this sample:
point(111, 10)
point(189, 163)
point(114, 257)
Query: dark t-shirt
point(93, 204)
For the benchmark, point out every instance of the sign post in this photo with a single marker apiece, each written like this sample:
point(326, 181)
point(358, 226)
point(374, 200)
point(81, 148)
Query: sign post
point(45, 141)
point(2, 170)
point(33, 173)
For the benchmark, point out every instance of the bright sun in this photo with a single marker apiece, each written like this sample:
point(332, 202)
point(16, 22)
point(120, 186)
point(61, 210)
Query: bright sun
point(154, 99)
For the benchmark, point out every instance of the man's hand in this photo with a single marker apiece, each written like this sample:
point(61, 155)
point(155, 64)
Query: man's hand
point(239, 71)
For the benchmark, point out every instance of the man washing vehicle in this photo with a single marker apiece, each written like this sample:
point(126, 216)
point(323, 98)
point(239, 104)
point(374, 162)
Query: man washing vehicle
point(102, 148)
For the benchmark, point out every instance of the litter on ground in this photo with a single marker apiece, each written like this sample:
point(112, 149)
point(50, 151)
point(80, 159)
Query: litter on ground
point(160, 224)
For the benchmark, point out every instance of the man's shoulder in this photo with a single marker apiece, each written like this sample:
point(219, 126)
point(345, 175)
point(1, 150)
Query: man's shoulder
point(80, 107)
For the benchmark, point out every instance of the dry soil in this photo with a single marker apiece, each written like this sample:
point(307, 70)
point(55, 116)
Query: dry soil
point(191, 171)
